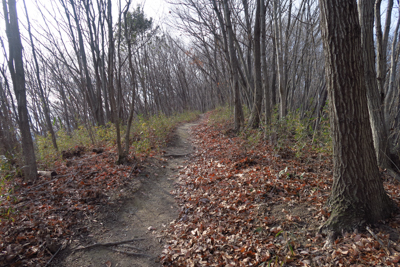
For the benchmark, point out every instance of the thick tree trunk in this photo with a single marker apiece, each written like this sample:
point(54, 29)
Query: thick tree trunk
point(379, 133)
point(16, 67)
point(357, 196)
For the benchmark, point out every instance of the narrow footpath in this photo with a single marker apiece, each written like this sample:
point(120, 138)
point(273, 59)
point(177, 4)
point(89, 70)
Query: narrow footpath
point(139, 218)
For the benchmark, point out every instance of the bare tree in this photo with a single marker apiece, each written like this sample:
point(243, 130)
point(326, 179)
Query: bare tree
point(16, 68)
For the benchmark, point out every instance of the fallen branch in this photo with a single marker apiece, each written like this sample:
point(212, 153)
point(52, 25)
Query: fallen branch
point(379, 241)
point(48, 174)
point(108, 244)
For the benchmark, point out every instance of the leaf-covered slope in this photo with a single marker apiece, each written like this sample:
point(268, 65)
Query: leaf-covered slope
point(263, 206)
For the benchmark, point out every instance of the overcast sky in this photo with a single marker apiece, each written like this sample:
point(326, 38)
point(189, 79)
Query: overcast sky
point(156, 9)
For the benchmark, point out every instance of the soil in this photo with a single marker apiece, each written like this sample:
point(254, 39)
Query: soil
point(145, 209)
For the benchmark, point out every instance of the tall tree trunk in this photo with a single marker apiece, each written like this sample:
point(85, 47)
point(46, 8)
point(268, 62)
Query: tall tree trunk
point(111, 90)
point(16, 67)
point(382, 39)
point(254, 120)
point(247, 65)
point(389, 97)
point(279, 55)
point(379, 133)
point(274, 74)
point(357, 196)
point(239, 118)
point(266, 85)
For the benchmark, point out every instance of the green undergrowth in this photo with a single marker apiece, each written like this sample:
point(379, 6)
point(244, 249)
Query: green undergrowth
point(298, 133)
point(147, 134)
point(222, 115)
point(291, 133)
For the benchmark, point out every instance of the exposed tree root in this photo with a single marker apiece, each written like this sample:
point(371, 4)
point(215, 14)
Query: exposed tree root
point(108, 244)
point(342, 222)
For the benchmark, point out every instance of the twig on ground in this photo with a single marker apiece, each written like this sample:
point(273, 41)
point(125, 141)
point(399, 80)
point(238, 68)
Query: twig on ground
point(379, 241)
point(52, 257)
point(108, 244)
point(133, 168)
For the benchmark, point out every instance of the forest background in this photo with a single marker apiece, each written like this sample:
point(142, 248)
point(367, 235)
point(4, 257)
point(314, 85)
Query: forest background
point(102, 71)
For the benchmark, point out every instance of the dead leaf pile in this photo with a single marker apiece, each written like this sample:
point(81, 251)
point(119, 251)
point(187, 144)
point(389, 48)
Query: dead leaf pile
point(255, 207)
point(39, 218)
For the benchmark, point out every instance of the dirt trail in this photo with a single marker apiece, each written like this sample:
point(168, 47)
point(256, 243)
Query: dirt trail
point(143, 213)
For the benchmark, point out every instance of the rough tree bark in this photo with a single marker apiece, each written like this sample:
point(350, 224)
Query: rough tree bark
point(16, 67)
point(379, 133)
point(391, 92)
point(357, 196)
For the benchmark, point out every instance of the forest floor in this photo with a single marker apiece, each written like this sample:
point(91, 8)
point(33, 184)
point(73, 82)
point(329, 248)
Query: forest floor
point(94, 212)
point(140, 216)
point(245, 203)
point(218, 200)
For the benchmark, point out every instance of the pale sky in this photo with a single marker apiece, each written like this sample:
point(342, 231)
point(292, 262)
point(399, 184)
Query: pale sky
point(157, 9)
